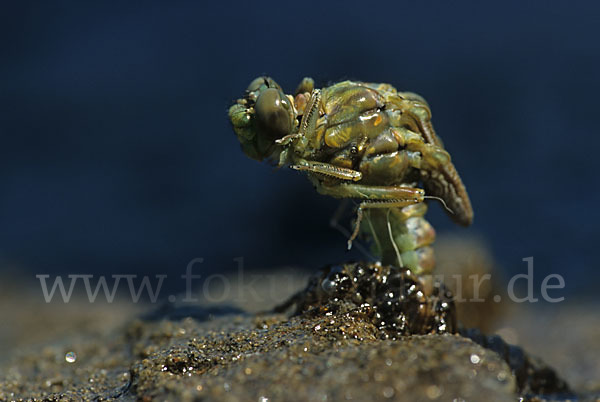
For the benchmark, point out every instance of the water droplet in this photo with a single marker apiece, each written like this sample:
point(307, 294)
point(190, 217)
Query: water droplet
point(71, 357)
point(434, 392)
point(328, 285)
point(388, 392)
point(475, 359)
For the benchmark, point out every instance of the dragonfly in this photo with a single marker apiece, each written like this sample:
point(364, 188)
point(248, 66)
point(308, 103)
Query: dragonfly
point(362, 141)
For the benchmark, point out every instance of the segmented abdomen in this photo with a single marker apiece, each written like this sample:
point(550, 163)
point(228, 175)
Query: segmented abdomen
point(401, 236)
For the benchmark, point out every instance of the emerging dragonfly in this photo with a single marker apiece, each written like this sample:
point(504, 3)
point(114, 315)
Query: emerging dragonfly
point(363, 141)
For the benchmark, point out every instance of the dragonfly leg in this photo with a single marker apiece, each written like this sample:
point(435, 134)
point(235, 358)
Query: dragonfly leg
point(373, 204)
point(328, 169)
point(372, 197)
point(334, 222)
point(401, 194)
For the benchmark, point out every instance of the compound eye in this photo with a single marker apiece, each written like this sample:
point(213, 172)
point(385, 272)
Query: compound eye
point(272, 113)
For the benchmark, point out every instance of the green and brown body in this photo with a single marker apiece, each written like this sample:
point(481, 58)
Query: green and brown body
point(363, 141)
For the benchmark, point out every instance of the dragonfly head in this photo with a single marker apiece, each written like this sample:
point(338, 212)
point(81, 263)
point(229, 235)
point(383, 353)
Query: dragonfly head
point(262, 116)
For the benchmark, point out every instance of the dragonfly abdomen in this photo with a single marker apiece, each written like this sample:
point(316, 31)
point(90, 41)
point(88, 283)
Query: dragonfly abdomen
point(401, 236)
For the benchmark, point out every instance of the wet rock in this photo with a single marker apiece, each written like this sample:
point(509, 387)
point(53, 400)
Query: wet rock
point(327, 367)
point(352, 335)
point(533, 376)
point(395, 301)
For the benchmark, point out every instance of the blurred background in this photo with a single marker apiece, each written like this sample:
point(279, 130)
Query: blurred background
point(117, 157)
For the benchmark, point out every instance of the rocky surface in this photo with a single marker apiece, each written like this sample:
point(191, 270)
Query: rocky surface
point(328, 348)
point(259, 358)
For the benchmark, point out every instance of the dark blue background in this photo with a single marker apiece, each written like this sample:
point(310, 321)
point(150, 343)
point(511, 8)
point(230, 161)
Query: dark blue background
point(116, 154)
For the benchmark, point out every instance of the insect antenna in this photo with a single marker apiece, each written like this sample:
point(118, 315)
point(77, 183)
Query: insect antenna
point(441, 201)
